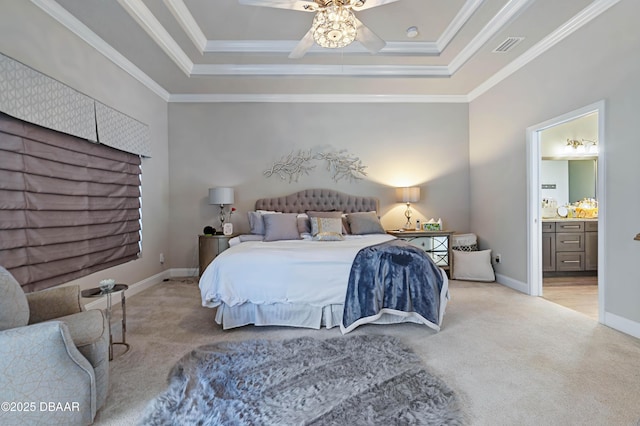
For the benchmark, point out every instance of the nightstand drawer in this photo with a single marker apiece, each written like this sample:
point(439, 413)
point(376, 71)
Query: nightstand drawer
point(570, 261)
point(567, 241)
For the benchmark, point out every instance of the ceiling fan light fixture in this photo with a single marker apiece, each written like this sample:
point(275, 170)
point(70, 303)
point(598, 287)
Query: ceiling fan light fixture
point(334, 27)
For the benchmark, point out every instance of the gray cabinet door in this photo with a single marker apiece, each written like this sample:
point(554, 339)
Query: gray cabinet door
point(548, 252)
point(591, 251)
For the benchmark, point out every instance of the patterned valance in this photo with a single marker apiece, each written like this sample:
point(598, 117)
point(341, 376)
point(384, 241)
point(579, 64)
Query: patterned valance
point(36, 98)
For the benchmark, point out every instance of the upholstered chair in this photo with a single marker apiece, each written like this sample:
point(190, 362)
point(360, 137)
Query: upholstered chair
point(54, 356)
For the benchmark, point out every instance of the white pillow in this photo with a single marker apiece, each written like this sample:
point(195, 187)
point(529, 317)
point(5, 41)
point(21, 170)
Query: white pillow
point(473, 265)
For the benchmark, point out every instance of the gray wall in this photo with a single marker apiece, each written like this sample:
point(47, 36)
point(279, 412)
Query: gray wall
point(231, 144)
point(599, 61)
point(30, 36)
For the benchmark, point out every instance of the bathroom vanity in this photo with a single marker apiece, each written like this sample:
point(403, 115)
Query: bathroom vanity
point(569, 245)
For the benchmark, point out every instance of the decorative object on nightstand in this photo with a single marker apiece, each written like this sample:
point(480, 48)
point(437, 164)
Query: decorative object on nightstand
point(209, 247)
point(221, 197)
point(408, 195)
point(437, 245)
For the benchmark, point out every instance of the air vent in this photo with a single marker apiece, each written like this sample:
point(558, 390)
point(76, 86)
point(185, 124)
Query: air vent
point(508, 44)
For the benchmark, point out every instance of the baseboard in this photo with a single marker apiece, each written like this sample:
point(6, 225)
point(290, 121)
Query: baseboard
point(135, 288)
point(621, 324)
point(184, 272)
point(511, 283)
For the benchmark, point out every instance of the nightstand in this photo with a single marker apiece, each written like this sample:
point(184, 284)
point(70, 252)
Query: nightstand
point(437, 244)
point(211, 246)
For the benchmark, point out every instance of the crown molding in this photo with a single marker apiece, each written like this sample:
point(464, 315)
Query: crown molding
point(315, 98)
point(188, 23)
point(511, 9)
point(461, 18)
point(153, 27)
point(60, 14)
point(588, 14)
point(320, 70)
point(286, 46)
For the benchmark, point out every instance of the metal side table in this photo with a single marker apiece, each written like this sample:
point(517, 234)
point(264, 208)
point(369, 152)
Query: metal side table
point(97, 292)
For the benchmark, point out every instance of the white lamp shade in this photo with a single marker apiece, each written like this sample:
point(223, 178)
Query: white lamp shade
point(408, 195)
point(221, 196)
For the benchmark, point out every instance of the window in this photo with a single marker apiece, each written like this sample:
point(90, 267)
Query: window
point(68, 207)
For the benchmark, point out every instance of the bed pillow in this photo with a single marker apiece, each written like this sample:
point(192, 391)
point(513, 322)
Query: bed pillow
point(326, 228)
point(312, 214)
point(473, 266)
point(280, 227)
point(304, 225)
point(256, 224)
point(365, 223)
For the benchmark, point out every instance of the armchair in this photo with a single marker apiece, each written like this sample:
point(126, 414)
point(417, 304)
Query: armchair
point(54, 356)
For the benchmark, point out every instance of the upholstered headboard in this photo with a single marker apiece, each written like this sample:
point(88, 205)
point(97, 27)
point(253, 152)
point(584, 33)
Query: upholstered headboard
point(318, 200)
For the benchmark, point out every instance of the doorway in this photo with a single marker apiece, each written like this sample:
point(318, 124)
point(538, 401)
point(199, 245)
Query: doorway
point(561, 262)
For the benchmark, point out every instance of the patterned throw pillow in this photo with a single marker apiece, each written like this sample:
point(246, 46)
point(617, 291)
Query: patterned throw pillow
point(326, 228)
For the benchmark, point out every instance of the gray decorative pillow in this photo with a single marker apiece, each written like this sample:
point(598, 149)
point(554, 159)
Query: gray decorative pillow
point(256, 224)
point(326, 228)
point(14, 308)
point(304, 225)
point(281, 227)
point(365, 223)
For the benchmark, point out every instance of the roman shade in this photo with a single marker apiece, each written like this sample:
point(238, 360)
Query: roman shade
point(68, 207)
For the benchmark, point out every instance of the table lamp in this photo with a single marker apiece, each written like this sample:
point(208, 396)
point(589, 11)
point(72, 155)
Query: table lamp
point(408, 195)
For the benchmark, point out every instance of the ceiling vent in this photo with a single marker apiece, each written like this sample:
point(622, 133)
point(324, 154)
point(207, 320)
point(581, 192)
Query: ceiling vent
point(508, 44)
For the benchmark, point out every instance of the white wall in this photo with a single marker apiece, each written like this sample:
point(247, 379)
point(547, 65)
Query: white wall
point(600, 61)
point(231, 144)
point(30, 36)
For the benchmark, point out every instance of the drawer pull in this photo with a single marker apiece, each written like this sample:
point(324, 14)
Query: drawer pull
point(570, 261)
point(571, 242)
point(570, 226)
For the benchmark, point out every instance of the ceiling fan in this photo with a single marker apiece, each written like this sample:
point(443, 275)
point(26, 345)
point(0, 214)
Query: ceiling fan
point(334, 25)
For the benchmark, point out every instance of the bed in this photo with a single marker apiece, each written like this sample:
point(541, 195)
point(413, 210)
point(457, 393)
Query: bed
point(289, 278)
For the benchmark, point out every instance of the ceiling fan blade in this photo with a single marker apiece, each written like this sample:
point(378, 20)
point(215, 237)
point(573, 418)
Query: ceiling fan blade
point(303, 46)
point(368, 4)
point(301, 5)
point(368, 38)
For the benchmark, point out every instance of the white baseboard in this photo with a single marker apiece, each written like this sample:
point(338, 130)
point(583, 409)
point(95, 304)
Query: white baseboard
point(621, 324)
point(511, 283)
point(184, 272)
point(135, 288)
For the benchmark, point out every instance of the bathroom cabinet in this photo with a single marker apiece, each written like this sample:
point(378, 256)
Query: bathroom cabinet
point(569, 245)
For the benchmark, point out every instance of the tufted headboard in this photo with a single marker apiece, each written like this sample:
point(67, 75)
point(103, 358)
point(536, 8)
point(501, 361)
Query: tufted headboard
point(318, 200)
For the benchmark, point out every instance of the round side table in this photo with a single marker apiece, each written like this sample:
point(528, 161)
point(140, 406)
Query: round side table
point(97, 292)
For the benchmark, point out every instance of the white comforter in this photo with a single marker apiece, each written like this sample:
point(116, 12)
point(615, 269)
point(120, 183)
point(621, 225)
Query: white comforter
point(293, 271)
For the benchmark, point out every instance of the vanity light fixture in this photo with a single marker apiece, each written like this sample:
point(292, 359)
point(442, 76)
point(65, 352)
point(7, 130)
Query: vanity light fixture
point(581, 146)
point(408, 195)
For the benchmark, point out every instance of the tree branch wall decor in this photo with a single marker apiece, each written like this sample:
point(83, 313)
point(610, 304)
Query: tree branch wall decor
point(340, 164)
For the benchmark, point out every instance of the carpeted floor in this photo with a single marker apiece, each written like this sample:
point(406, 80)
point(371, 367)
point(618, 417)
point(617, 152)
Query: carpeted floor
point(512, 359)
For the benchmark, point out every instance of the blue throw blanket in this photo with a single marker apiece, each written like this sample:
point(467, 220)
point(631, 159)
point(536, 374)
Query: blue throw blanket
point(393, 277)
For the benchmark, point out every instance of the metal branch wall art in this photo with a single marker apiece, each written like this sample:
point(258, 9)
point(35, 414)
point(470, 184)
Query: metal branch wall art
point(340, 164)
point(292, 166)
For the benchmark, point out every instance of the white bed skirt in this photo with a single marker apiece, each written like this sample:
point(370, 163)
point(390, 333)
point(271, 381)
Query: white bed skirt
point(280, 314)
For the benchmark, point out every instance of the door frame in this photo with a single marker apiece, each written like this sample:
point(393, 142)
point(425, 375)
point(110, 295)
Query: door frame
point(534, 223)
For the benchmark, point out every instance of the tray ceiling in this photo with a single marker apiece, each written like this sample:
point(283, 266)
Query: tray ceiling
point(206, 50)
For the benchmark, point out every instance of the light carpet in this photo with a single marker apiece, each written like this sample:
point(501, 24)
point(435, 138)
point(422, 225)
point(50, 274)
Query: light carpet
point(512, 359)
point(360, 380)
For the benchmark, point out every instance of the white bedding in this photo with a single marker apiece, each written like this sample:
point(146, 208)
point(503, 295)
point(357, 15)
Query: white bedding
point(296, 272)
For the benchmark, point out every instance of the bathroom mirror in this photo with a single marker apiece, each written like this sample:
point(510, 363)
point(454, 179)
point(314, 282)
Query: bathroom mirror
point(568, 180)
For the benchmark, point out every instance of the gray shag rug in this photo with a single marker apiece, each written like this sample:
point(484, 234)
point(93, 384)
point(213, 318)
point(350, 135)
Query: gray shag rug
point(359, 380)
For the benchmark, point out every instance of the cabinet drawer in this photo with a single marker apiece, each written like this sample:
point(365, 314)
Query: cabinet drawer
point(570, 261)
point(572, 226)
point(591, 226)
point(548, 227)
point(566, 241)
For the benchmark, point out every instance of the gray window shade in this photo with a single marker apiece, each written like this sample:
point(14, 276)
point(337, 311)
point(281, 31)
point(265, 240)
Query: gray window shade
point(68, 207)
